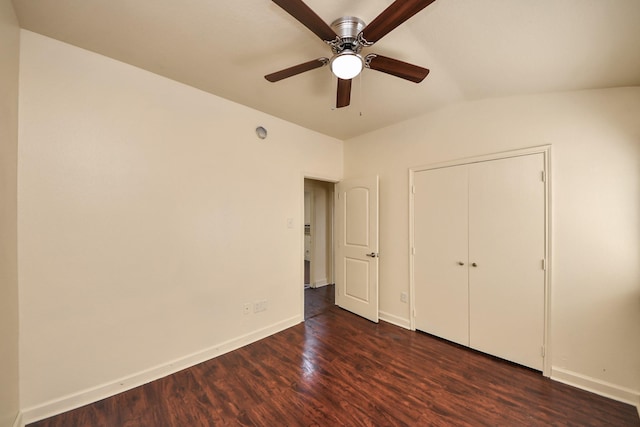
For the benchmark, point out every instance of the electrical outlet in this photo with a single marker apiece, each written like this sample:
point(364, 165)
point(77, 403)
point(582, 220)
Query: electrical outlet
point(403, 297)
point(246, 309)
point(259, 306)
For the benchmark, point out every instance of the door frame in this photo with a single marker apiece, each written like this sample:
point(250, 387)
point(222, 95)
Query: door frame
point(312, 214)
point(545, 150)
point(331, 257)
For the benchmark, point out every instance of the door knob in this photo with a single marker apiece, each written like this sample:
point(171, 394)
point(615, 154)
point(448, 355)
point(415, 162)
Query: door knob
point(372, 255)
point(473, 264)
point(460, 263)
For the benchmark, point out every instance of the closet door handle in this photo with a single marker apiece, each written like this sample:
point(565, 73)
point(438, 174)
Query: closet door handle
point(460, 263)
point(473, 264)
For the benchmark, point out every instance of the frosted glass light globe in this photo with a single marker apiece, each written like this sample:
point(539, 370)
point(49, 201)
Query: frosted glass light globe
point(346, 65)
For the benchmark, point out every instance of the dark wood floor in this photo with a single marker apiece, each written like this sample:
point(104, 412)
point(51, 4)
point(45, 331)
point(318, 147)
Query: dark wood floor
point(339, 369)
point(318, 300)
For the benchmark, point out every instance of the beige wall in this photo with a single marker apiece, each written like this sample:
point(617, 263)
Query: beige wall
point(149, 214)
point(595, 138)
point(9, 59)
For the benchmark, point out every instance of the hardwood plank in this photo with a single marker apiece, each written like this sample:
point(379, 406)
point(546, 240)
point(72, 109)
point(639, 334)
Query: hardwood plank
point(318, 300)
point(339, 369)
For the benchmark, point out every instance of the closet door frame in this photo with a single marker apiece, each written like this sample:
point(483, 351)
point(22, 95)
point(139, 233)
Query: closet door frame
point(545, 150)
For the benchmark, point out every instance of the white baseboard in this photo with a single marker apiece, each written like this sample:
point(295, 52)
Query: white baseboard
point(91, 395)
point(603, 388)
point(18, 421)
point(320, 283)
point(395, 320)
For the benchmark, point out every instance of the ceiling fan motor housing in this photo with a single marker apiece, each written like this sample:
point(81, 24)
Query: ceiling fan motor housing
point(347, 28)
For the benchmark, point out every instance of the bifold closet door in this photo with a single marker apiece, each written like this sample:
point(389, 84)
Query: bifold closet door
point(507, 247)
point(441, 241)
point(479, 240)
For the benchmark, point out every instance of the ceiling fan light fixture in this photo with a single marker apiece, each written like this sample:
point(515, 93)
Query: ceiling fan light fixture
point(347, 36)
point(346, 65)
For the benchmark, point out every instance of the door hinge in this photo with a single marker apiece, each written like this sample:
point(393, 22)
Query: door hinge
point(543, 176)
point(413, 251)
point(542, 351)
point(413, 189)
point(544, 264)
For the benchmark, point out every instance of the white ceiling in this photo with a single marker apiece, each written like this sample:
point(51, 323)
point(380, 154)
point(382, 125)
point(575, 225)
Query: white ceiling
point(474, 48)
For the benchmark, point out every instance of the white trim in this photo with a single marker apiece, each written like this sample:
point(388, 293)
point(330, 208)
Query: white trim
point(546, 151)
point(301, 258)
point(18, 421)
point(320, 283)
point(484, 158)
point(546, 362)
point(412, 291)
point(320, 177)
point(91, 395)
point(594, 385)
point(395, 320)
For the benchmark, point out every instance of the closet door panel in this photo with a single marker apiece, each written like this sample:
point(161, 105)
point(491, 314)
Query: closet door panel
point(440, 238)
point(506, 243)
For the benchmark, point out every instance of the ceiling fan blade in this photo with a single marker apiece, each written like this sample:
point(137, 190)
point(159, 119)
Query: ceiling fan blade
point(297, 69)
point(397, 13)
point(396, 67)
point(344, 93)
point(307, 17)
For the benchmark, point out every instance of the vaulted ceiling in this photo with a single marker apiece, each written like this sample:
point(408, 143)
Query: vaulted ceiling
point(474, 48)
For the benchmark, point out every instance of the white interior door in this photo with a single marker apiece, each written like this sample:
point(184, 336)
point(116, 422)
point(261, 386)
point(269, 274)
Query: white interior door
point(357, 246)
point(440, 262)
point(506, 252)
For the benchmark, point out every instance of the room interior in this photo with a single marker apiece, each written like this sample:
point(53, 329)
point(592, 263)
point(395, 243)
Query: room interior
point(134, 186)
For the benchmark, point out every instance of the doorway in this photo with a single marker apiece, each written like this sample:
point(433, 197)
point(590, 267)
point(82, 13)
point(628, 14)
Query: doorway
point(318, 240)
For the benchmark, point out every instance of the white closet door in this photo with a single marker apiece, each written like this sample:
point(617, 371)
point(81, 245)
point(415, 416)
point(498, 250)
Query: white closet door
point(506, 243)
point(440, 239)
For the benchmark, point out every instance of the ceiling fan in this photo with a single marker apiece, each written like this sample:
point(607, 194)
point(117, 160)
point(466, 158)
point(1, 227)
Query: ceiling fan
point(347, 36)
